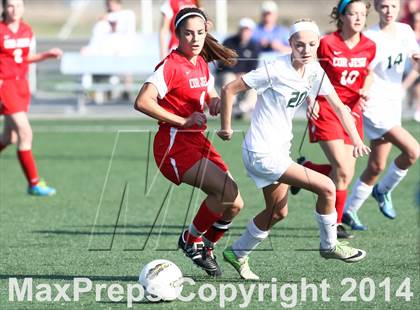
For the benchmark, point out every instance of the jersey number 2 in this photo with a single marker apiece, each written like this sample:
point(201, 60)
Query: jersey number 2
point(17, 53)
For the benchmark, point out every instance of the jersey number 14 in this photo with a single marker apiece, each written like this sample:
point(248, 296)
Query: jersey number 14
point(397, 61)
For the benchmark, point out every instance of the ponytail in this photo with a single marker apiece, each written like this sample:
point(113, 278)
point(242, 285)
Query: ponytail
point(212, 49)
point(3, 13)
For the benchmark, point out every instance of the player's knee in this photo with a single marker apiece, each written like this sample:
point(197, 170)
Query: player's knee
point(344, 176)
point(328, 189)
point(24, 134)
point(377, 167)
point(280, 213)
point(413, 154)
point(229, 193)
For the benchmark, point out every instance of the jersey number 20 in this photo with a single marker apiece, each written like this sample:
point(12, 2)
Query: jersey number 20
point(297, 99)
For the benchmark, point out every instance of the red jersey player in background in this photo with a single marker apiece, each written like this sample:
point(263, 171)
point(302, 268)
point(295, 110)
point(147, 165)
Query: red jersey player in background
point(16, 39)
point(169, 10)
point(345, 56)
point(175, 95)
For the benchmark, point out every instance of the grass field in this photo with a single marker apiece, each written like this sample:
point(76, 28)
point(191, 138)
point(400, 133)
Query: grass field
point(113, 213)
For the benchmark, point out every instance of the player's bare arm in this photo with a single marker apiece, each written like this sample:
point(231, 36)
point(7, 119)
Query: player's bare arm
point(347, 121)
point(229, 92)
point(146, 102)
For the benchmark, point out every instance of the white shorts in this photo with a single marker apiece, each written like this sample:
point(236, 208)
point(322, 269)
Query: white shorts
point(381, 117)
point(376, 131)
point(265, 169)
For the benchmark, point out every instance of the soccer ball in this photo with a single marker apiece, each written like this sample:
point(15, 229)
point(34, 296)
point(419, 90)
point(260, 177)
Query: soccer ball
point(161, 280)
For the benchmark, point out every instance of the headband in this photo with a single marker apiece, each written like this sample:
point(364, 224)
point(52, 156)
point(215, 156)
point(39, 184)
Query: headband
point(343, 5)
point(302, 26)
point(189, 14)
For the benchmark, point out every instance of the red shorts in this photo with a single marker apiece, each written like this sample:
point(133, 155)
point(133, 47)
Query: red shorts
point(176, 151)
point(328, 127)
point(15, 96)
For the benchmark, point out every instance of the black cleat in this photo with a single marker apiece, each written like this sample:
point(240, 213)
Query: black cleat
point(342, 233)
point(294, 190)
point(202, 256)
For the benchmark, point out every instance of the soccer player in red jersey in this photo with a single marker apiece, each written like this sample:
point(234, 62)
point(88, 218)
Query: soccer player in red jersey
point(16, 39)
point(175, 95)
point(345, 56)
point(169, 10)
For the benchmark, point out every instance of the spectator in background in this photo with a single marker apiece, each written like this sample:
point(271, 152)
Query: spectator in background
point(411, 16)
point(248, 52)
point(410, 7)
point(415, 91)
point(169, 9)
point(270, 35)
point(112, 35)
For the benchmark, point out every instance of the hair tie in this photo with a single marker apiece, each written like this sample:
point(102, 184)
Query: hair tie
point(343, 5)
point(302, 26)
point(189, 14)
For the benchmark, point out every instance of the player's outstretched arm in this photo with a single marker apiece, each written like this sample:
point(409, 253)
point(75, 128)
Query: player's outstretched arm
point(52, 53)
point(146, 102)
point(414, 73)
point(229, 92)
point(346, 119)
point(214, 102)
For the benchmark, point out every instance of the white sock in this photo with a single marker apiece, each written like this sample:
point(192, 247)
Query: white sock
point(391, 179)
point(358, 196)
point(249, 240)
point(328, 230)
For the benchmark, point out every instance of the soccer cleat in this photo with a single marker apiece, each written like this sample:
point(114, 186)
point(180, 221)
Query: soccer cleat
point(201, 255)
point(240, 264)
point(41, 189)
point(294, 190)
point(343, 252)
point(342, 233)
point(351, 219)
point(385, 202)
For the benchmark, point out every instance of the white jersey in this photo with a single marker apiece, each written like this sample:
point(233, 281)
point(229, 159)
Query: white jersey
point(280, 93)
point(386, 93)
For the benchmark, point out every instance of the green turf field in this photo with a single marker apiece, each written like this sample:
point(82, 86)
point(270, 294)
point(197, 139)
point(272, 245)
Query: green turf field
point(113, 213)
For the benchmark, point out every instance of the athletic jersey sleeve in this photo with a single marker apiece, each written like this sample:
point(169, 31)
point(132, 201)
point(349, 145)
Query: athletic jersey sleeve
point(326, 86)
point(166, 9)
point(161, 79)
point(257, 79)
point(413, 46)
point(379, 54)
point(210, 84)
point(323, 89)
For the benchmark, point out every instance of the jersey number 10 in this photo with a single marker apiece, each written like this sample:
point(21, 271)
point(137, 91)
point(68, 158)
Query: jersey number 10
point(348, 78)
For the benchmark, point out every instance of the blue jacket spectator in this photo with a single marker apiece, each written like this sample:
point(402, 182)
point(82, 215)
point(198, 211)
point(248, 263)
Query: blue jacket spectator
point(271, 36)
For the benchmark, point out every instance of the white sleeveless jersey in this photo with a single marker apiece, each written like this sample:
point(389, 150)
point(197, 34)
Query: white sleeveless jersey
point(280, 93)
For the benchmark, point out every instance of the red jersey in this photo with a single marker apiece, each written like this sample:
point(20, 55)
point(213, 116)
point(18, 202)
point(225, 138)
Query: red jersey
point(170, 8)
point(182, 86)
point(14, 48)
point(346, 68)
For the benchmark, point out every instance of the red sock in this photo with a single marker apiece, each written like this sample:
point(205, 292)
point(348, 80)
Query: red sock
point(217, 230)
point(340, 201)
point(2, 146)
point(201, 223)
point(27, 162)
point(324, 169)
